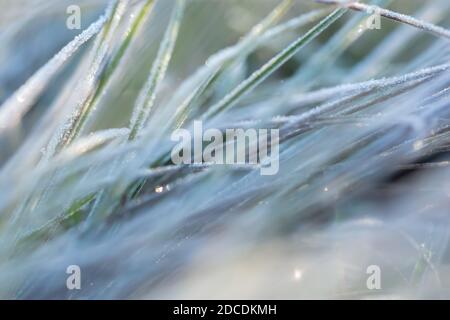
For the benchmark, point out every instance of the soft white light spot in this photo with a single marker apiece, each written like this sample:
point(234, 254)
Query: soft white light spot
point(159, 189)
point(418, 145)
point(297, 274)
point(325, 189)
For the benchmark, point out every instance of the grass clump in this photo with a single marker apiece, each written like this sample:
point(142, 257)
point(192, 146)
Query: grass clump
point(86, 176)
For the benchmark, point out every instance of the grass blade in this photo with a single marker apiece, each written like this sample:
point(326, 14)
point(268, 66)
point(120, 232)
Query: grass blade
point(265, 71)
point(146, 99)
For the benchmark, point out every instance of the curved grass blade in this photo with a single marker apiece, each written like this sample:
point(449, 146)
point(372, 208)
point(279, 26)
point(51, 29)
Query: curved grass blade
point(274, 16)
point(266, 70)
point(146, 99)
point(417, 23)
point(13, 109)
point(111, 67)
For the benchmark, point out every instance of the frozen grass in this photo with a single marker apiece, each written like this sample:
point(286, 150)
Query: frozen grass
point(86, 176)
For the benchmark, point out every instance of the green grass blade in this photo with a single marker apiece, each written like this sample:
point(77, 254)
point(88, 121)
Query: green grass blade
point(109, 71)
point(147, 97)
point(266, 70)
